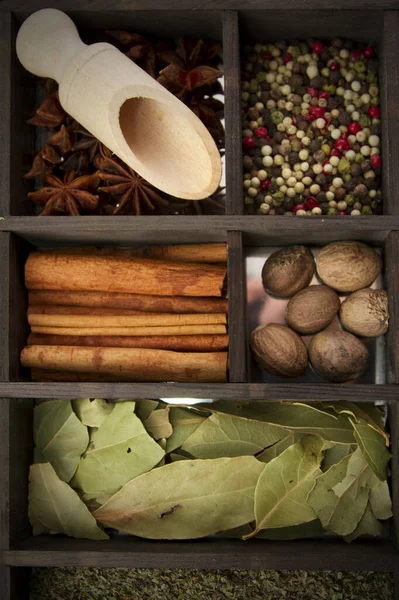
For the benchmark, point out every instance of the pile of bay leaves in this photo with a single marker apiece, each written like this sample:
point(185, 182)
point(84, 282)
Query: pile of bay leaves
point(275, 470)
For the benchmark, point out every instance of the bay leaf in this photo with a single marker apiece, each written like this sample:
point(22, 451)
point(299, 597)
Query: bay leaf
point(301, 417)
point(284, 484)
point(340, 495)
point(227, 435)
point(312, 529)
point(121, 449)
point(368, 525)
point(186, 499)
point(60, 437)
point(367, 412)
point(380, 500)
point(276, 449)
point(373, 448)
point(237, 533)
point(334, 455)
point(145, 407)
point(92, 412)
point(54, 507)
point(158, 425)
point(184, 423)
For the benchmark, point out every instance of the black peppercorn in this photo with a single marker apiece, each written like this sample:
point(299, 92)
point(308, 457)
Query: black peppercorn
point(344, 118)
point(314, 146)
point(321, 179)
point(288, 203)
point(293, 158)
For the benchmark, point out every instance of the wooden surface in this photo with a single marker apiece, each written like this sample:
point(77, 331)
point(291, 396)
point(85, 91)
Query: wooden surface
point(47, 551)
point(231, 21)
point(232, 113)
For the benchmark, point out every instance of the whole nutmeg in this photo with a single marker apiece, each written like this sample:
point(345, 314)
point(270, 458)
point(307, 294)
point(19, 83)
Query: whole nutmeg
point(338, 356)
point(312, 309)
point(279, 350)
point(288, 270)
point(348, 266)
point(365, 312)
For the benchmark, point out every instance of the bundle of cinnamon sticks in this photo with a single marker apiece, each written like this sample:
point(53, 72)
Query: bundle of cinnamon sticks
point(136, 314)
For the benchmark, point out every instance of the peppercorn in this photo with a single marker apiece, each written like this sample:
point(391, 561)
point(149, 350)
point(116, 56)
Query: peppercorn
point(360, 191)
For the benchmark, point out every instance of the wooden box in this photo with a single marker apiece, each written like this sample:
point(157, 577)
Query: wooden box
point(230, 21)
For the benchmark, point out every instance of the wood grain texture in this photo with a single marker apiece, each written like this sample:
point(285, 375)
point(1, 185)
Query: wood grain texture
point(392, 286)
point(98, 5)
point(45, 551)
point(5, 110)
point(232, 113)
point(4, 476)
point(394, 426)
point(237, 309)
point(4, 304)
point(327, 20)
point(256, 392)
point(58, 231)
point(389, 86)
point(18, 304)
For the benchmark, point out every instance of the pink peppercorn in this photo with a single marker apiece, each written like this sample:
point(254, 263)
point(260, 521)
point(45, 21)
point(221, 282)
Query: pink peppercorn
point(288, 58)
point(324, 94)
point(354, 128)
point(266, 56)
point(261, 132)
point(342, 212)
point(317, 47)
point(368, 51)
point(248, 142)
point(356, 55)
point(342, 145)
point(316, 112)
point(313, 92)
point(265, 184)
point(373, 112)
point(375, 160)
point(335, 152)
point(335, 66)
point(311, 202)
point(298, 207)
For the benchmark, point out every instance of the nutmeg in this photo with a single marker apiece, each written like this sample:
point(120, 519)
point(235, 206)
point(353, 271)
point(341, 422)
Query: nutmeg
point(365, 312)
point(348, 266)
point(338, 356)
point(312, 309)
point(279, 350)
point(288, 270)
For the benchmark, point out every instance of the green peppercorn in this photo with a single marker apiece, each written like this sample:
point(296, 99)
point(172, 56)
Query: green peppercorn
point(366, 210)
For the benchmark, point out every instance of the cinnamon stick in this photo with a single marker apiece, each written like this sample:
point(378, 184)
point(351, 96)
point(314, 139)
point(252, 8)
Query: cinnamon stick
point(138, 320)
point(197, 253)
point(139, 302)
point(44, 270)
point(136, 364)
point(177, 343)
point(50, 309)
point(132, 331)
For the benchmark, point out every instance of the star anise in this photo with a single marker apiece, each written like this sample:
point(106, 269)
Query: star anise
point(206, 109)
point(134, 193)
point(51, 154)
point(136, 47)
point(190, 67)
point(50, 113)
point(72, 196)
point(94, 148)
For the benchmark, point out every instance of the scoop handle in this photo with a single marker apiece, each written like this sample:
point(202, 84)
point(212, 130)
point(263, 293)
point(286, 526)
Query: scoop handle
point(46, 42)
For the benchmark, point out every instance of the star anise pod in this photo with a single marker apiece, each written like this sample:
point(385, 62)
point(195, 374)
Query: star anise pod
point(134, 193)
point(94, 148)
point(136, 47)
point(50, 113)
point(190, 67)
point(206, 110)
point(72, 196)
point(51, 154)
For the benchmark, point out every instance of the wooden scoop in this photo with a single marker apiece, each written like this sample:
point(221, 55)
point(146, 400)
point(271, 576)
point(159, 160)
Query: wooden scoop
point(121, 105)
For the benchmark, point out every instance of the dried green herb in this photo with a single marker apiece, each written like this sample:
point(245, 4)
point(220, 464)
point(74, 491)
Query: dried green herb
point(55, 508)
point(373, 448)
point(158, 425)
point(185, 499)
point(60, 437)
point(284, 485)
point(184, 422)
point(120, 450)
point(228, 435)
point(92, 412)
